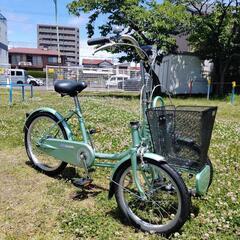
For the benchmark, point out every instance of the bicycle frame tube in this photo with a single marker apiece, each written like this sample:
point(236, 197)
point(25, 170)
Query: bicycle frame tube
point(130, 154)
point(123, 156)
point(64, 145)
point(136, 141)
point(81, 120)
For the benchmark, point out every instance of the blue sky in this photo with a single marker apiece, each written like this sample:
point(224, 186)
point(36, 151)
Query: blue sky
point(24, 15)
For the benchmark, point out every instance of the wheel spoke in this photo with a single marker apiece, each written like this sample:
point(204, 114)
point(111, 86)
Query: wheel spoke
point(161, 206)
point(41, 128)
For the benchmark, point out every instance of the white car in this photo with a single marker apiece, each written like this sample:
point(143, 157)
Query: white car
point(34, 81)
point(116, 80)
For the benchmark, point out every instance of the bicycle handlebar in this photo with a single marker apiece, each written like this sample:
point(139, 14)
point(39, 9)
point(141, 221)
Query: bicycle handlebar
point(107, 42)
point(97, 41)
point(125, 40)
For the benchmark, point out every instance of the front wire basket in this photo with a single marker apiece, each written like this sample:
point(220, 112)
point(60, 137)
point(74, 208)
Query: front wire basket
point(182, 134)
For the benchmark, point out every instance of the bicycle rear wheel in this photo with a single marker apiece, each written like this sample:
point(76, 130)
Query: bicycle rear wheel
point(167, 206)
point(192, 151)
point(39, 125)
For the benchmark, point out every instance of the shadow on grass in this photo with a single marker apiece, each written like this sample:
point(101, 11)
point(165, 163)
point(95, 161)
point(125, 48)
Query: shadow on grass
point(84, 194)
point(91, 190)
point(116, 214)
point(195, 210)
point(67, 174)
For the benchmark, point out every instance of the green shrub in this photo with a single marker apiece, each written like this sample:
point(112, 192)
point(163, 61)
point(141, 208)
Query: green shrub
point(37, 74)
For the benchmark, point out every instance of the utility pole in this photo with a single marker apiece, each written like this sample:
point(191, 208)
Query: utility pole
point(56, 21)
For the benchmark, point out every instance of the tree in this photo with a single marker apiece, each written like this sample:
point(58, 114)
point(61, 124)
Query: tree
point(215, 33)
point(149, 21)
point(213, 26)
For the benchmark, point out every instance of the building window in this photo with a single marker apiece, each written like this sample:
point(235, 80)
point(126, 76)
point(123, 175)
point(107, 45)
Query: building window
point(15, 59)
point(29, 58)
point(52, 59)
point(37, 60)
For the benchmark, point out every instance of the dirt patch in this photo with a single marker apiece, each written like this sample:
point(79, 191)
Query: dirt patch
point(32, 201)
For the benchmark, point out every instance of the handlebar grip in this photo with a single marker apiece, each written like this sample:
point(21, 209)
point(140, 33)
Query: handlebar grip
point(97, 41)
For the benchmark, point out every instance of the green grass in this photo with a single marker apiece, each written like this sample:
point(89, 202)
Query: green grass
point(35, 206)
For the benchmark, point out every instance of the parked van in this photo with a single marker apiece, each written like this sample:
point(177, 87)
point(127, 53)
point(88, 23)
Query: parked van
point(116, 80)
point(18, 76)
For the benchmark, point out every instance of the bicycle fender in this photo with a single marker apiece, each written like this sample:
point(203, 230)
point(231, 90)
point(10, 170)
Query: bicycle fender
point(113, 177)
point(57, 115)
point(155, 157)
point(118, 167)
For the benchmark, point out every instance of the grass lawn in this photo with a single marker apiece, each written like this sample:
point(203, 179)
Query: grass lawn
point(35, 206)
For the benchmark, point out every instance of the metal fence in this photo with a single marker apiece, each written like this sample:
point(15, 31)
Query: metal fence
point(98, 79)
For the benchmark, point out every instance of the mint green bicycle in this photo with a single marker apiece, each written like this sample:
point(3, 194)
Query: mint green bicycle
point(150, 193)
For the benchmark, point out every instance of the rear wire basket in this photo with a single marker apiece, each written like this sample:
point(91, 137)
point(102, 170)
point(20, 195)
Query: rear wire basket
point(182, 134)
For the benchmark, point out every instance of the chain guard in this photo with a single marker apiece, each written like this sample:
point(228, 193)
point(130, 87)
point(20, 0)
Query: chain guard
point(72, 152)
point(85, 153)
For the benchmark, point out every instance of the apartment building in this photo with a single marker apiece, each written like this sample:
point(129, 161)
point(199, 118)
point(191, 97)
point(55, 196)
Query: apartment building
point(68, 41)
point(3, 40)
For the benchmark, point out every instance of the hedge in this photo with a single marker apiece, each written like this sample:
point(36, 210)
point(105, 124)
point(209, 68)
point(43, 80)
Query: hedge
point(37, 74)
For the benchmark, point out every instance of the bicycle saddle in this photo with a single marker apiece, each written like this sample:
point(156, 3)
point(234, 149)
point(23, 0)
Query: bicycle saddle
point(69, 87)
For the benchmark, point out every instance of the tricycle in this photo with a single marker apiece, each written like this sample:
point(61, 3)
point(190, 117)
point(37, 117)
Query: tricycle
point(146, 179)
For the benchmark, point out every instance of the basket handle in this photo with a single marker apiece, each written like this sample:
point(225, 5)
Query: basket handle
point(156, 99)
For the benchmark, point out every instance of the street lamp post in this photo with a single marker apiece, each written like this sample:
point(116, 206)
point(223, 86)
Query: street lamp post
point(56, 21)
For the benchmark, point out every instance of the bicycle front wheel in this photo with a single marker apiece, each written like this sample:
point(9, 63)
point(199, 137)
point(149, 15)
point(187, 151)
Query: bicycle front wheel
point(43, 124)
point(167, 204)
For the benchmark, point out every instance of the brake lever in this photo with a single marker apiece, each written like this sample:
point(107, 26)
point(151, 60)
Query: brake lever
point(106, 46)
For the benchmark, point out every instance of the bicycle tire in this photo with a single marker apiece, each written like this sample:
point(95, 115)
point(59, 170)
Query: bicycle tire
point(40, 162)
point(176, 186)
point(209, 163)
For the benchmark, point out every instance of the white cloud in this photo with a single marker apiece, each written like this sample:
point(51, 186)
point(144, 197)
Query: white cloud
point(77, 21)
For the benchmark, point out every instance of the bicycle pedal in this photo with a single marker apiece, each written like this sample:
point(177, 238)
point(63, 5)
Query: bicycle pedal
point(93, 131)
point(192, 192)
point(81, 182)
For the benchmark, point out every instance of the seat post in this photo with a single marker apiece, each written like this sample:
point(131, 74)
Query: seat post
point(77, 105)
point(80, 119)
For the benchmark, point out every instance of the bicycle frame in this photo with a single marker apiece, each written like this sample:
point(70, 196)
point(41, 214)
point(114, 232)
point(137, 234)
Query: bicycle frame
point(71, 151)
point(68, 150)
